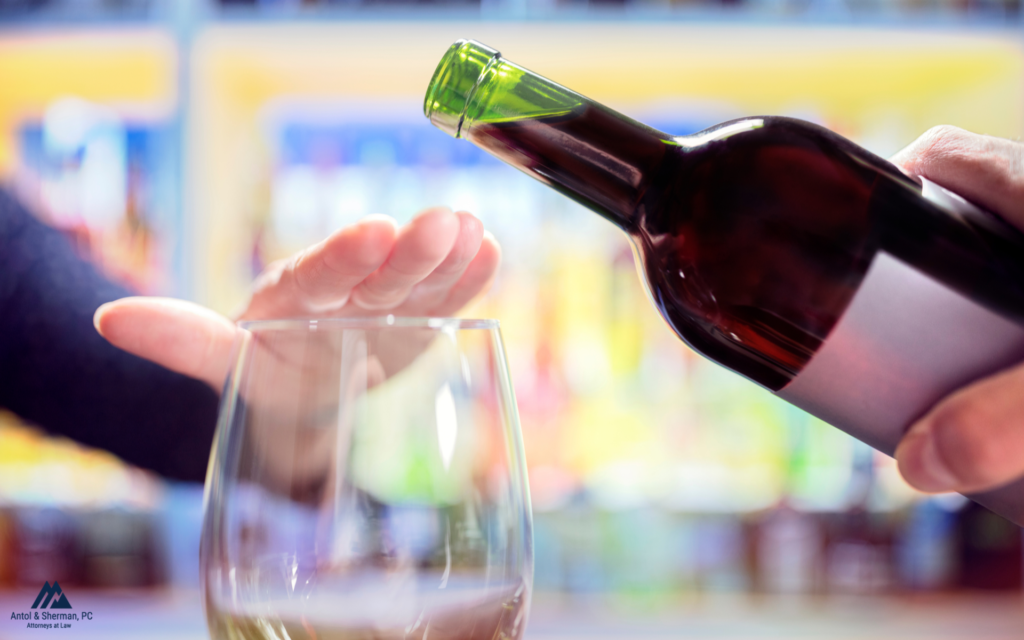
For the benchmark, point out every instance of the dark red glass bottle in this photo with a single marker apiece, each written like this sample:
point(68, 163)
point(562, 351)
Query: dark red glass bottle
point(773, 246)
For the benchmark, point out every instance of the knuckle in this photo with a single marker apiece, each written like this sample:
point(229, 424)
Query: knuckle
point(381, 288)
point(944, 132)
point(454, 264)
point(940, 141)
point(378, 300)
point(362, 258)
point(304, 273)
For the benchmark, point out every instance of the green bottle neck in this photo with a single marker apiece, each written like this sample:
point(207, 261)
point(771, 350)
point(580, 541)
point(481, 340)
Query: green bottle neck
point(594, 155)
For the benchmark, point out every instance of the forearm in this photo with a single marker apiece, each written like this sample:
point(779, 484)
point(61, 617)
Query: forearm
point(57, 372)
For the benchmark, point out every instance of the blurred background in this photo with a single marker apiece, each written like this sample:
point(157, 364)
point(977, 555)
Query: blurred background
point(185, 145)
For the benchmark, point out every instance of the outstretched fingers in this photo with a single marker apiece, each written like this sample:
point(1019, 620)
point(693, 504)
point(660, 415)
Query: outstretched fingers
point(321, 279)
point(436, 263)
point(475, 279)
point(433, 289)
point(421, 246)
point(182, 336)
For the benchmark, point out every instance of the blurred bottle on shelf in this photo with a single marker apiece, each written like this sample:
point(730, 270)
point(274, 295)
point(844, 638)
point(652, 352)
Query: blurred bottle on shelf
point(858, 553)
point(790, 544)
point(721, 547)
point(8, 550)
point(119, 548)
point(927, 555)
point(46, 547)
point(789, 551)
point(989, 551)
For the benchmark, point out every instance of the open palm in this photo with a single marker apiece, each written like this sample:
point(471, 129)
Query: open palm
point(433, 266)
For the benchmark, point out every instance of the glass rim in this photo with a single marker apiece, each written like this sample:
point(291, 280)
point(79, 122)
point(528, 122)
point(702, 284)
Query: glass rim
point(372, 322)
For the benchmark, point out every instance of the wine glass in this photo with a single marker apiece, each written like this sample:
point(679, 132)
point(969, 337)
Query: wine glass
point(367, 481)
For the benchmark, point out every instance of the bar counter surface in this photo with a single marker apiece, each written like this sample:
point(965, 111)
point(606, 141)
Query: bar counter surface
point(169, 614)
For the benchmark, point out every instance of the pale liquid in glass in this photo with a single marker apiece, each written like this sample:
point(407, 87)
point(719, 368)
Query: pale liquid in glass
point(375, 613)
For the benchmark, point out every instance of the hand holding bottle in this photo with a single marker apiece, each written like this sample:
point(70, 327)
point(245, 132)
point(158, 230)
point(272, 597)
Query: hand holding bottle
point(973, 439)
point(792, 256)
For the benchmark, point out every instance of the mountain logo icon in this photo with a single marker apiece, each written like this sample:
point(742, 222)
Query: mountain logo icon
point(54, 593)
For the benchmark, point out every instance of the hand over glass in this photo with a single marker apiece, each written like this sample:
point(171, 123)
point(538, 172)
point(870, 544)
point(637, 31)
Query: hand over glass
point(367, 482)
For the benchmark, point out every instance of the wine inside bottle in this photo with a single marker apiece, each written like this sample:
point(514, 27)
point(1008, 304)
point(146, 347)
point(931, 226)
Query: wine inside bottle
point(753, 237)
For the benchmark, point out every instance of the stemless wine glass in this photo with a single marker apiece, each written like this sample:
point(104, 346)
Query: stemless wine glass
point(367, 481)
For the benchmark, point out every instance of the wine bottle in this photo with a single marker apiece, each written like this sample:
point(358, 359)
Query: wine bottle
point(773, 246)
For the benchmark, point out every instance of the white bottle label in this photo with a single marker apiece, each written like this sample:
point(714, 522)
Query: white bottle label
point(904, 343)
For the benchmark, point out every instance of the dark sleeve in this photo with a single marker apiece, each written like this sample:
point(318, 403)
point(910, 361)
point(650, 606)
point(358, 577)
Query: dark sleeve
point(57, 372)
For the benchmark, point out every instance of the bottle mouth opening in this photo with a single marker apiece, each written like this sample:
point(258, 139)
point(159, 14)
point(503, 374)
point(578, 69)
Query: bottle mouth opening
point(454, 82)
